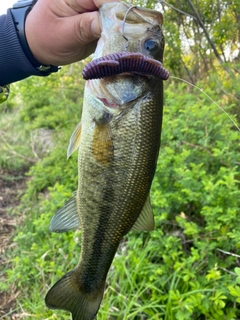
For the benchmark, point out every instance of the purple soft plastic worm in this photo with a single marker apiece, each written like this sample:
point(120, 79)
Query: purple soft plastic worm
point(120, 62)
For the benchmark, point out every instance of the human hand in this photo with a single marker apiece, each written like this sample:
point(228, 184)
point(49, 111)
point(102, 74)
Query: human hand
point(60, 32)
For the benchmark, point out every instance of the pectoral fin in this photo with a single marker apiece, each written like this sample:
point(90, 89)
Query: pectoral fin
point(74, 140)
point(102, 145)
point(145, 221)
point(66, 218)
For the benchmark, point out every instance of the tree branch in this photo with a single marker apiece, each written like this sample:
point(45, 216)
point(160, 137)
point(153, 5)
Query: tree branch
point(176, 9)
point(199, 20)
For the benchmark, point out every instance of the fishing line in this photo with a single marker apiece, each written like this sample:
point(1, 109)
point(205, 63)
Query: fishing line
point(123, 25)
point(193, 85)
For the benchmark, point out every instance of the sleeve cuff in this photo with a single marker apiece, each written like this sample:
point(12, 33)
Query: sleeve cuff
point(14, 65)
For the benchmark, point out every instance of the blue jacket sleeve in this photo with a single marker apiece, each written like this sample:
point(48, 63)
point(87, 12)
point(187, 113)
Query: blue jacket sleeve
point(14, 65)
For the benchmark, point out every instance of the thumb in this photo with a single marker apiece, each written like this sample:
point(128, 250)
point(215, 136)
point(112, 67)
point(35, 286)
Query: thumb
point(87, 27)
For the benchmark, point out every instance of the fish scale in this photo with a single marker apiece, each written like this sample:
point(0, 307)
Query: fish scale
point(118, 142)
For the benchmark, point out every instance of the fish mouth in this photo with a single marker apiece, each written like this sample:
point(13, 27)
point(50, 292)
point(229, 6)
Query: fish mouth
point(124, 62)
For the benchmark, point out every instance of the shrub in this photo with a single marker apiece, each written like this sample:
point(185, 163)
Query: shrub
point(180, 270)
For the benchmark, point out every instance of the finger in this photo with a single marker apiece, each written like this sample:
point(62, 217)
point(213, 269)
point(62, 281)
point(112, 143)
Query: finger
point(86, 5)
point(81, 6)
point(98, 3)
point(87, 27)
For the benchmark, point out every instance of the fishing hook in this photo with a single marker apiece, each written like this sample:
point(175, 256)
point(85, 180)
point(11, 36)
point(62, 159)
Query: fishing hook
point(124, 21)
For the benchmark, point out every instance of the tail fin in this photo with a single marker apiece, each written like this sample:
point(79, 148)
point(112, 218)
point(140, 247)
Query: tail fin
point(67, 294)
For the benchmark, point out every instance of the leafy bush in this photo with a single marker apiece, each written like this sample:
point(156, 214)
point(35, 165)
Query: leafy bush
point(180, 270)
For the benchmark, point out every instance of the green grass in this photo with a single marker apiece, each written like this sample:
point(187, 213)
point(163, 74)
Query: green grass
point(175, 272)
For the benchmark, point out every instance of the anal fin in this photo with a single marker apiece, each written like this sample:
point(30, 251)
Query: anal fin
point(66, 218)
point(145, 221)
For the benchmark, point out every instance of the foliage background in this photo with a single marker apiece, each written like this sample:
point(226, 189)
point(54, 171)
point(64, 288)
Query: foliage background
point(188, 267)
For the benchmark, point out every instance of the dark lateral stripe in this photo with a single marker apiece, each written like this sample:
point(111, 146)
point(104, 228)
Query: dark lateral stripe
point(120, 62)
point(102, 253)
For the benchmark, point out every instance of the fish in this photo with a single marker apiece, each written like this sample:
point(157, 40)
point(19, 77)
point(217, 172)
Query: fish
point(118, 142)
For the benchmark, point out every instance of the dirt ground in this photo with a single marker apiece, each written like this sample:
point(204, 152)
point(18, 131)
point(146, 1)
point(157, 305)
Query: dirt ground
point(12, 185)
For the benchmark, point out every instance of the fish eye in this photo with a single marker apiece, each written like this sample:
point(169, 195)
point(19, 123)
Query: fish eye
point(151, 45)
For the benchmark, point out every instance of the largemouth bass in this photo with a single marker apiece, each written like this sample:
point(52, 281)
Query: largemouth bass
point(118, 140)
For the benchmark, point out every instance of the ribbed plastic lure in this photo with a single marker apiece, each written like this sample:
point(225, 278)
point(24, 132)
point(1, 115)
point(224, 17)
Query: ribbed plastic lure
point(121, 62)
